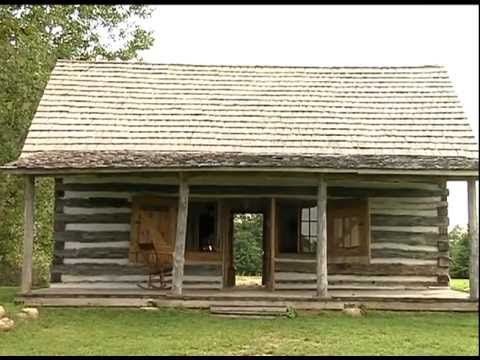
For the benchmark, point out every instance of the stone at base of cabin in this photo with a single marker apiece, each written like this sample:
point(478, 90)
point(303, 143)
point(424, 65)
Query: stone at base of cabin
point(21, 315)
point(28, 313)
point(151, 303)
point(149, 308)
point(2, 312)
point(6, 324)
point(354, 310)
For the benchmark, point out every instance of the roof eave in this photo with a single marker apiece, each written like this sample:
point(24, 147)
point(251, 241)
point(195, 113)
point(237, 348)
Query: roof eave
point(455, 173)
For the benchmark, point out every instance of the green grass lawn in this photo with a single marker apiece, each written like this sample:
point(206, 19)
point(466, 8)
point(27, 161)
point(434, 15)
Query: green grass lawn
point(460, 284)
point(63, 331)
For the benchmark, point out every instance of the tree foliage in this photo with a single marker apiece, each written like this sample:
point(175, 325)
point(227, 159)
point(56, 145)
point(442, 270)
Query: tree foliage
point(459, 252)
point(32, 38)
point(248, 249)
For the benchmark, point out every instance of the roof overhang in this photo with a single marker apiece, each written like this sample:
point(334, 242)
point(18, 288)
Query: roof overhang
point(111, 162)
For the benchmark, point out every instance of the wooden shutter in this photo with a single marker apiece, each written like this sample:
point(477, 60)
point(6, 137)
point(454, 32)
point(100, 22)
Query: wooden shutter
point(153, 221)
point(348, 231)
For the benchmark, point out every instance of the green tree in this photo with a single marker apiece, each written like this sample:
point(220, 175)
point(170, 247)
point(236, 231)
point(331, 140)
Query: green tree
point(32, 38)
point(459, 252)
point(248, 249)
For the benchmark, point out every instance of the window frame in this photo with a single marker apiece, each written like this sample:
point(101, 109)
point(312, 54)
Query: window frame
point(300, 236)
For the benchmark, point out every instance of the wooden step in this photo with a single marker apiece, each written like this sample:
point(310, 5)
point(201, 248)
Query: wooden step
point(245, 316)
point(250, 310)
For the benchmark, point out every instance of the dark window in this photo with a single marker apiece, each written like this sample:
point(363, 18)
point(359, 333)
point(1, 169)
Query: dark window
point(206, 229)
point(201, 228)
point(288, 228)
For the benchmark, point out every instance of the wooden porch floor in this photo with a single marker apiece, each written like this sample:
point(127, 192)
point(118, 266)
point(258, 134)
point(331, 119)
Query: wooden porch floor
point(426, 299)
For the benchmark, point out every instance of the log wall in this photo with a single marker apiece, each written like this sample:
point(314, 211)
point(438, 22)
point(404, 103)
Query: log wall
point(408, 235)
point(409, 246)
point(92, 236)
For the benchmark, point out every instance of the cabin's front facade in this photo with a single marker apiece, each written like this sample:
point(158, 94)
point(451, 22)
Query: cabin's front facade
point(397, 238)
point(348, 167)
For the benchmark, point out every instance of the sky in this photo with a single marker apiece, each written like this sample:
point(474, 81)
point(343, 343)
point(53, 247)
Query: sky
point(328, 35)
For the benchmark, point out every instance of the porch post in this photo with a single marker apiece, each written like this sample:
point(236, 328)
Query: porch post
point(180, 238)
point(322, 282)
point(473, 232)
point(272, 241)
point(29, 206)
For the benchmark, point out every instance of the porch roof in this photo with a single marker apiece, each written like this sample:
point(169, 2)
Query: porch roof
point(97, 115)
point(138, 160)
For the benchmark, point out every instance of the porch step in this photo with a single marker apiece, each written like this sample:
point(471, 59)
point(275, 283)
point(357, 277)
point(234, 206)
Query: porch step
point(250, 311)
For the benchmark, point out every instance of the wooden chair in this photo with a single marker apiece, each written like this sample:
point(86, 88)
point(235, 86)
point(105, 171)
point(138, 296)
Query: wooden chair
point(158, 264)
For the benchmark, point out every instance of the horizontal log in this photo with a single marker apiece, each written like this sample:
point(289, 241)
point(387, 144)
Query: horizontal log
point(103, 253)
point(70, 261)
point(255, 178)
point(123, 187)
point(376, 192)
point(411, 229)
point(164, 179)
point(407, 203)
point(397, 246)
point(71, 194)
point(98, 279)
point(408, 238)
point(91, 236)
point(350, 285)
point(396, 253)
point(95, 279)
point(302, 277)
point(94, 218)
point(334, 191)
point(95, 202)
point(405, 220)
point(74, 190)
point(95, 210)
point(387, 183)
point(99, 269)
point(409, 212)
point(403, 261)
point(97, 227)
point(131, 269)
point(84, 245)
point(362, 269)
point(98, 285)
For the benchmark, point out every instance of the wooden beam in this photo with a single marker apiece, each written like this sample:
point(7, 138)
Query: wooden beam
point(29, 221)
point(180, 238)
point(272, 241)
point(457, 174)
point(222, 241)
point(322, 282)
point(473, 232)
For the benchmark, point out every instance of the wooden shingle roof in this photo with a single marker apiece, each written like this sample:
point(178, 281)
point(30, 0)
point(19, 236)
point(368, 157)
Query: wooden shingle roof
point(98, 110)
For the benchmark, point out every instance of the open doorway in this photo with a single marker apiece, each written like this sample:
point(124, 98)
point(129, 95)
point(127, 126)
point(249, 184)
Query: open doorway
point(248, 249)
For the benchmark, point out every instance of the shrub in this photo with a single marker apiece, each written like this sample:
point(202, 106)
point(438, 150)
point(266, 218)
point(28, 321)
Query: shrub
point(459, 252)
point(248, 247)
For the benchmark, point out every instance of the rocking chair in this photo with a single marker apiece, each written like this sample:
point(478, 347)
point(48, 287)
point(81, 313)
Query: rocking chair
point(158, 264)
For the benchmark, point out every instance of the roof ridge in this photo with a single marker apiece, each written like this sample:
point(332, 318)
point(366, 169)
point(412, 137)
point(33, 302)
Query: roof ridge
point(138, 62)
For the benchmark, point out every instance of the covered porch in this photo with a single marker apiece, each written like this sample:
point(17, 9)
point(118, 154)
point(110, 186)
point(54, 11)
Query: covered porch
point(303, 278)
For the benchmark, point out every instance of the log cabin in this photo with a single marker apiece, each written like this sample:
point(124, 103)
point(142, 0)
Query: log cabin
point(347, 166)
